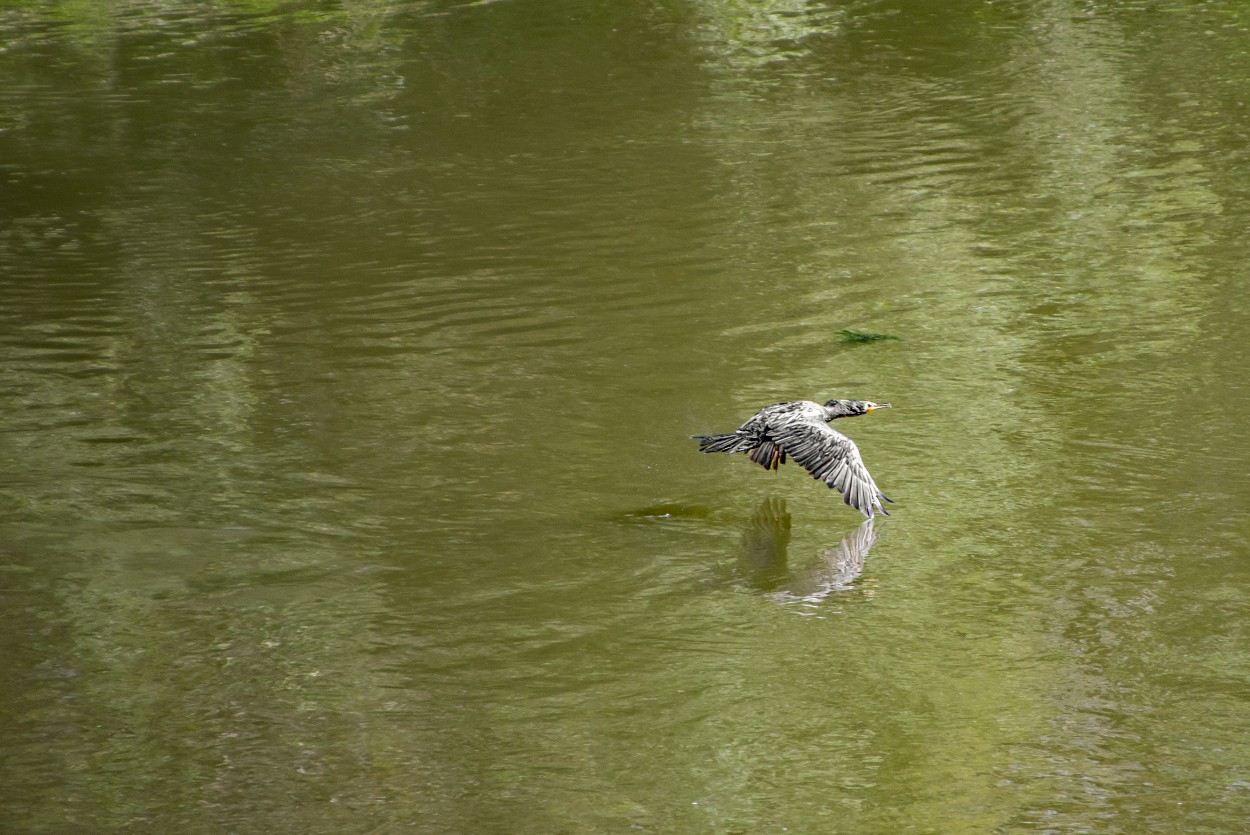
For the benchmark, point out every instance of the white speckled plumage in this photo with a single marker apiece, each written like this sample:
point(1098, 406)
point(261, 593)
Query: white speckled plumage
point(800, 429)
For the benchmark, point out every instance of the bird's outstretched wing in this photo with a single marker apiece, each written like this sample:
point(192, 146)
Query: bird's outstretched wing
point(833, 458)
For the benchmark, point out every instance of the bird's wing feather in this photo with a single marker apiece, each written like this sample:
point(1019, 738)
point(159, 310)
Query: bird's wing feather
point(833, 458)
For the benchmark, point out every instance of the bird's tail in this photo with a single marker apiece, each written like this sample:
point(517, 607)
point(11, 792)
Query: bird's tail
point(718, 443)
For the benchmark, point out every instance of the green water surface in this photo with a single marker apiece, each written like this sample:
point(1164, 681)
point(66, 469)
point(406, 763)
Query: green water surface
point(349, 355)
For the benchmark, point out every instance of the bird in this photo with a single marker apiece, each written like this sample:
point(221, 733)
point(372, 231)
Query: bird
point(800, 429)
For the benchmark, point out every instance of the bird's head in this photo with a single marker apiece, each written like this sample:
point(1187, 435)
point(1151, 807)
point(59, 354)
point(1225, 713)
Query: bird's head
point(851, 408)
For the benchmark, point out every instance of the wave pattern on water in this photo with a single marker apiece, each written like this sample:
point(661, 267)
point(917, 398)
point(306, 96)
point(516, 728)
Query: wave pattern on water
point(350, 359)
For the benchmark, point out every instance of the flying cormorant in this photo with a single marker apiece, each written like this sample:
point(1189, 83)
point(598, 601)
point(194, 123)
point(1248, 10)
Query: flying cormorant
point(801, 430)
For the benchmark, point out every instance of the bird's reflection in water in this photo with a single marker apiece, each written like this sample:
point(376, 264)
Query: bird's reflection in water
point(763, 561)
point(762, 557)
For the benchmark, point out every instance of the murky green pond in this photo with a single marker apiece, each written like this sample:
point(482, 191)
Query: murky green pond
point(349, 355)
